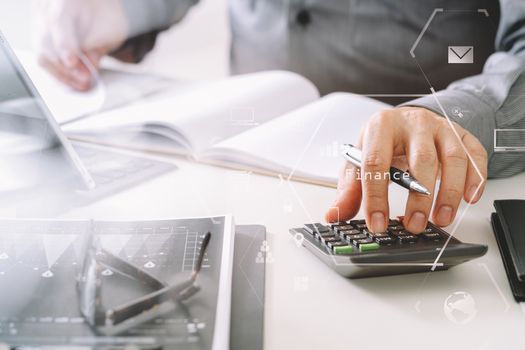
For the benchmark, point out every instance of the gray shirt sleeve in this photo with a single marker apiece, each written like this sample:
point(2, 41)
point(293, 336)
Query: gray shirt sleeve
point(494, 99)
point(146, 16)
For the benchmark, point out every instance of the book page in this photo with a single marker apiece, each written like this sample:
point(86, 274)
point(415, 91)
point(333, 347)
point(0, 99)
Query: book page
point(206, 114)
point(306, 143)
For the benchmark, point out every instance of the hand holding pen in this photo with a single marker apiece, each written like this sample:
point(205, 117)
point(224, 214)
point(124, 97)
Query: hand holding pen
point(402, 178)
point(430, 145)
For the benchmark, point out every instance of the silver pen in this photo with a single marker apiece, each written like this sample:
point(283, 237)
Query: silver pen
point(400, 177)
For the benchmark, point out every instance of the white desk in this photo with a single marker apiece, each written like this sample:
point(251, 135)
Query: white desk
point(308, 306)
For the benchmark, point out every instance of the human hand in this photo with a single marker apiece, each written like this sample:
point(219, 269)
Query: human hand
point(424, 142)
point(67, 32)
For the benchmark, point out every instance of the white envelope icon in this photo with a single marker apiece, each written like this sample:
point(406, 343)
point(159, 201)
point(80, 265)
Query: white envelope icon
point(461, 54)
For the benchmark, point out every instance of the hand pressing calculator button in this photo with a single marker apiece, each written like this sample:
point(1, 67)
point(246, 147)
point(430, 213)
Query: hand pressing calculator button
point(354, 252)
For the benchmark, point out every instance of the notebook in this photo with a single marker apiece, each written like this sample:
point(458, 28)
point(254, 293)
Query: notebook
point(271, 123)
point(508, 224)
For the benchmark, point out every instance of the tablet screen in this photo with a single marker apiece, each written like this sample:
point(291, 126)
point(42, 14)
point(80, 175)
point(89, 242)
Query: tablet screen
point(33, 151)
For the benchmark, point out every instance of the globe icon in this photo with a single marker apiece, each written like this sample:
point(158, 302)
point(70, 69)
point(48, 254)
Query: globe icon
point(460, 307)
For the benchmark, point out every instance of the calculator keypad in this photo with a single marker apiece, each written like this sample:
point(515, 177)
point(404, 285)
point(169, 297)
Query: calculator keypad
point(351, 236)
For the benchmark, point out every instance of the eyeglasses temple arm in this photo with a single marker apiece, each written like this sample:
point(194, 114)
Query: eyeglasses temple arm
point(125, 268)
point(146, 303)
point(176, 292)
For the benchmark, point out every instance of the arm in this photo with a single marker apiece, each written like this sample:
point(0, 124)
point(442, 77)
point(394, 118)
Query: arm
point(69, 33)
point(417, 137)
point(153, 15)
point(495, 99)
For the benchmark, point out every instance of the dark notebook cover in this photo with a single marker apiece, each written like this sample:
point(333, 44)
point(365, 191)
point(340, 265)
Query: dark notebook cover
point(247, 318)
point(508, 224)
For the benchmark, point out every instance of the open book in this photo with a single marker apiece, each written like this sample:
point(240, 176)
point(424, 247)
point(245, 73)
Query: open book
point(271, 123)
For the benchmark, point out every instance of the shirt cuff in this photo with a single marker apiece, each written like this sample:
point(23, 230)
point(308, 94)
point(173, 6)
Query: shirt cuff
point(136, 48)
point(146, 16)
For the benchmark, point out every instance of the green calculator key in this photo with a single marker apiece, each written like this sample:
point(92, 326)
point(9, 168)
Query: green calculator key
point(368, 247)
point(343, 249)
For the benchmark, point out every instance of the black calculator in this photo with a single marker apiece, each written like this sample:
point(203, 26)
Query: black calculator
point(355, 252)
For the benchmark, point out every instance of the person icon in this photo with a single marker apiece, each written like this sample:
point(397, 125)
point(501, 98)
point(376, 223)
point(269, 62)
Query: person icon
point(260, 258)
point(269, 258)
point(265, 247)
point(458, 112)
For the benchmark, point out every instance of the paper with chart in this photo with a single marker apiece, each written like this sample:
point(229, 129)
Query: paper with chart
point(41, 261)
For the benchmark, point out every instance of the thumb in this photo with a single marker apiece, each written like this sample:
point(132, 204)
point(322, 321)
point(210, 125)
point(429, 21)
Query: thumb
point(348, 201)
point(95, 57)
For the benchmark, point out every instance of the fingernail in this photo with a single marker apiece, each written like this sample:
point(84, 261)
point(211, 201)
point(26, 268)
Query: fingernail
point(472, 194)
point(378, 222)
point(418, 222)
point(444, 216)
point(332, 212)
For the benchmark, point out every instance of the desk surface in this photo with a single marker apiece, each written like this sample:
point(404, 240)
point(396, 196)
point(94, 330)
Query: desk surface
point(308, 306)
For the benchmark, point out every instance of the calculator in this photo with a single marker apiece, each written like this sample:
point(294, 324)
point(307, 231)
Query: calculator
point(353, 251)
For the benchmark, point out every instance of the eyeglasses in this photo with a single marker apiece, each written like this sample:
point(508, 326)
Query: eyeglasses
point(163, 299)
